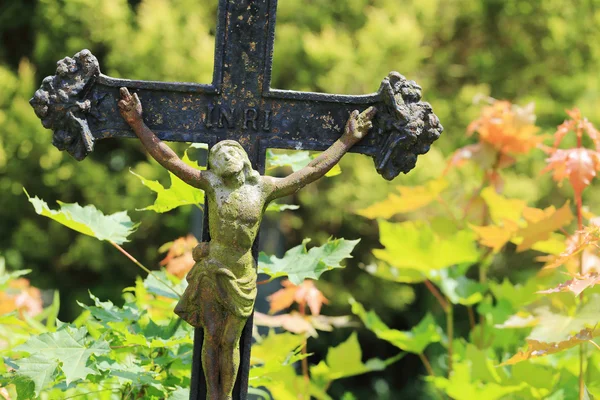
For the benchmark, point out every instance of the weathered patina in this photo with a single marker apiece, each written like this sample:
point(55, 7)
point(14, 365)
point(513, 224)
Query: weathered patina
point(79, 104)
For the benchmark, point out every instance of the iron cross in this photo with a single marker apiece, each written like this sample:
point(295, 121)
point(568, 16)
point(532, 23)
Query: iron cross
point(80, 105)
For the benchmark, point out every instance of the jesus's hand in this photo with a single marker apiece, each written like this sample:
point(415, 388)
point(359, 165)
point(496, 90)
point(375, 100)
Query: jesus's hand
point(130, 106)
point(358, 125)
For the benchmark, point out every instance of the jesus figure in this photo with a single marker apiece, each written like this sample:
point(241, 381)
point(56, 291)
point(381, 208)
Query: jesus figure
point(222, 284)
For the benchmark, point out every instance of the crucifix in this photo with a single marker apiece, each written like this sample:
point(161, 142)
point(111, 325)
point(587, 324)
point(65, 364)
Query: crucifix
point(239, 116)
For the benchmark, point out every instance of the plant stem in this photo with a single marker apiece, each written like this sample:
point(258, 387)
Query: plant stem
point(471, 317)
point(437, 295)
point(139, 264)
point(579, 203)
point(426, 363)
point(304, 359)
point(450, 334)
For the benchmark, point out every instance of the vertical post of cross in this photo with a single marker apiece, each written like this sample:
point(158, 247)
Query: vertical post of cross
point(243, 46)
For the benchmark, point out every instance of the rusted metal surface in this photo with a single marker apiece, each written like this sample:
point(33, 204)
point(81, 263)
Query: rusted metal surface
point(238, 105)
point(79, 104)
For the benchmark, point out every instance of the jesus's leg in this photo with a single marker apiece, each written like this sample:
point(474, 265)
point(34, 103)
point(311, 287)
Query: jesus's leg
point(214, 322)
point(230, 354)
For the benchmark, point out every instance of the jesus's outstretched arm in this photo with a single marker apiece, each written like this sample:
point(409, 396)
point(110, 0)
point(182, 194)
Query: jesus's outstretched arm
point(356, 128)
point(131, 110)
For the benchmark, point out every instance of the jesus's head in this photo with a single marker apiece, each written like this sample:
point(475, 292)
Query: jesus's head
point(228, 159)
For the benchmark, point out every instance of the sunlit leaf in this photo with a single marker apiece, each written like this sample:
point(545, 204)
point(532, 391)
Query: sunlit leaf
point(299, 263)
point(418, 246)
point(494, 236)
point(345, 360)
point(388, 272)
point(576, 285)
point(501, 208)
point(293, 322)
point(459, 289)
point(414, 341)
point(410, 198)
point(576, 243)
point(519, 320)
point(88, 220)
point(69, 346)
point(277, 207)
point(579, 165)
point(541, 223)
point(507, 127)
point(555, 328)
point(461, 386)
point(178, 193)
point(296, 160)
point(537, 348)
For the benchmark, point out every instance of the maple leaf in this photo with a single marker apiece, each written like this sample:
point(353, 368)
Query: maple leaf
point(579, 165)
point(411, 198)
point(576, 243)
point(414, 341)
point(579, 125)
point(508, 128)
point(576, 285)
point(179, 193)
point(68, 346)
point(302, 324)
point(421, 246)
point(495, 236)
point(179, 260)
point(541, 223)
point(88, 220)
point(304, 294)
point(537, 348)
point(298, 263)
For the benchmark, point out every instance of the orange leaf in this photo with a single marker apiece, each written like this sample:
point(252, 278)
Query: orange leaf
point(495, 236)
point(179, 260)
point(576, 243)
point(579, 165)
point(304, 294)
point(541, 223)
point(576, 285)
point(508, 128)
point(539, 349)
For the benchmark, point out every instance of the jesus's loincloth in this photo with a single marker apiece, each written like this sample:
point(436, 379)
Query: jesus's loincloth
point(232, 287)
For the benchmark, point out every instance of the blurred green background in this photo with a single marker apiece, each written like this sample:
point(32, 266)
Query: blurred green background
point(546, 51)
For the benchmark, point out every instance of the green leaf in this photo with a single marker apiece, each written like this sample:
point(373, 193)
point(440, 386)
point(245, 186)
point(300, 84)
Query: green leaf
point(39, 368)
point(345, 360)
point(274, 353)
point(299, 264)
point(88, 220)
point(24, 386)
point(276, 207)
point(108, 312)
point(413, 341)
point(461, 386)
point(179, 193)
point(388, 272)
point(67, 346)
point(156, 282)
point(296, 160)
point(179, 394)
point(458, 288)
point(421, 246)
point(554, 328)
